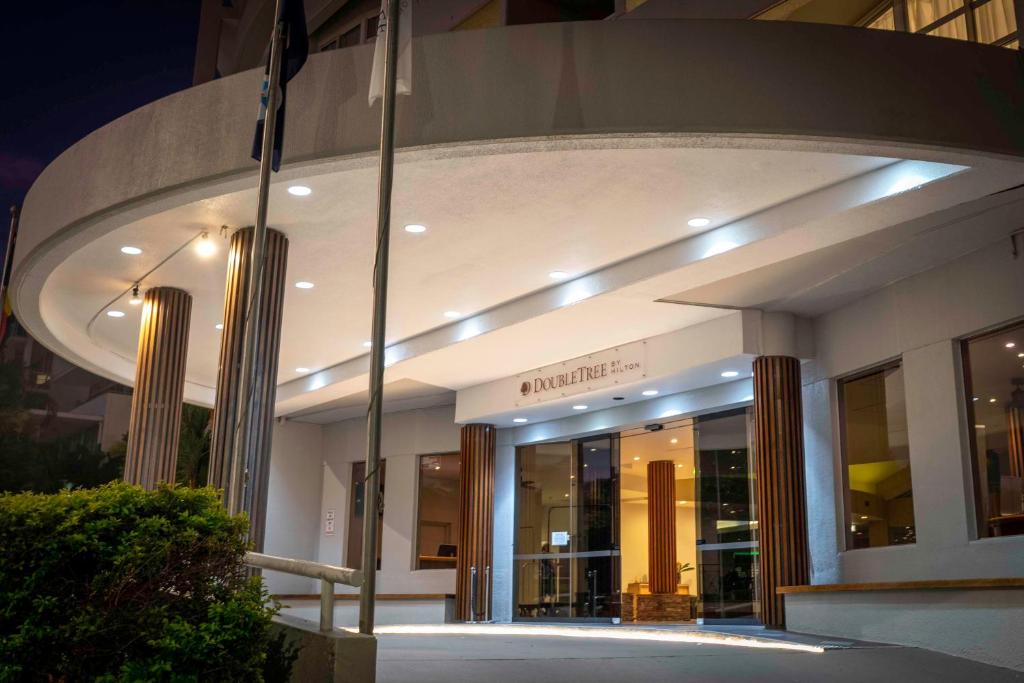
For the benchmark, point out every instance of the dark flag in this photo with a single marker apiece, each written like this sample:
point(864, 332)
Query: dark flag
point(293, 56)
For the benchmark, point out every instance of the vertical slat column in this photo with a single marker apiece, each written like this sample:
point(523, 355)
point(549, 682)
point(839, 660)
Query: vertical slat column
point(264, 389)
point(1015, 434)
point(476, 519)
point(159, 385)
point(661, 526)
point(782, 507)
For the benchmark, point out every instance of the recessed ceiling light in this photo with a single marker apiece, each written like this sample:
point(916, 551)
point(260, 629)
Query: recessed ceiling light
point(300, 191)
point(219, 326)
point(205, 246)
point(302, 284)
point(1020, 355)
point(367, 344)
point(979, 426)
point(131, 251)
point(698, 222)
point(730, 373)
point(519, 420)
point(558, 275)
point(1010, 345)
point(674, 441)
point(975, 398)
point(115, 314)
point(579, 407)
point(415, 228)
point(992, 400)
point(452, 314)
point(650, 392)
point(302, 370)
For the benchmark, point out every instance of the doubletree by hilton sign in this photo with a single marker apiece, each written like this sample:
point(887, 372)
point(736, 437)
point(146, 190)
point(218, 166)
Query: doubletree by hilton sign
point(619, 365)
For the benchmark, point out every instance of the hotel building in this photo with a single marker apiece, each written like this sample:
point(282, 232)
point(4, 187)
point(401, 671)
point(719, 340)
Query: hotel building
point(698, 310)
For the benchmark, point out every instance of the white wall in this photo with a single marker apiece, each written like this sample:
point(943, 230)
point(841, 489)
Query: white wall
point(406, 436)
point(293, 503)
point(919, 319)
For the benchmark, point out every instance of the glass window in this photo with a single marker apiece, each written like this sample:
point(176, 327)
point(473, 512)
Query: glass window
point(956, 28)
point(350, 37)
point(922, 13)
point(354, 552)
point(994, 20)
point(885, 21)
point(994, 368)
point(873, 424)
point(437, 516)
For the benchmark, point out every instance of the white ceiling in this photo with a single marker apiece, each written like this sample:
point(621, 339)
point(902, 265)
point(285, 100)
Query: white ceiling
point(497, 224)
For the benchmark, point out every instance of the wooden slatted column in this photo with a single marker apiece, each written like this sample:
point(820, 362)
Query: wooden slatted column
point(1015, 433)
point(661, 526)
point(159, 386)
point(261, 417)
point(782, 506)
point(476, 520)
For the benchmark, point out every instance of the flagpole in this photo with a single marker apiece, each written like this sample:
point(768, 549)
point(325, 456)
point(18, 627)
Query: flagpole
point(371, 490)
point(240, 493)
point(12, 235)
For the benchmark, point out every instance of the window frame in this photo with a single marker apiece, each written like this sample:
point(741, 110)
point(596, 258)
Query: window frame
point(844, 469)
point(415, 558)
point(980, 529)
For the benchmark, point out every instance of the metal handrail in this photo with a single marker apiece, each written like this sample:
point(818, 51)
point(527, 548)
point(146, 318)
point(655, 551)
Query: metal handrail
point(327, 573)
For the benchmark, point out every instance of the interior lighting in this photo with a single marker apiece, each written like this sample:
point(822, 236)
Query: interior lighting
point(205, 246)
point(131, 251)
point(674, 441)
point(303, 284)
point(136, 299)
point(299, 191)
point(115, 314)
point(452, 314)
point(992, 400)
point(219, 326)
point(730, 373)
point(367, 344)
point(519, 420)
point(415, 228)
point(650, 392)
point(636, 457)
point(979, 426)
point(558, 275)
point(907, 182)
point(302, 370)
point(579, 407)
point(699, 222)
point(624, 633)
point(1010, 345)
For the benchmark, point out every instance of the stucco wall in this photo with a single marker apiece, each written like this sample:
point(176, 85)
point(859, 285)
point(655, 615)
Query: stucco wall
point(919, 319)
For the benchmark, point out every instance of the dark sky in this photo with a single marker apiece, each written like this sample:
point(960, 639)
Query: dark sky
point(71, 66)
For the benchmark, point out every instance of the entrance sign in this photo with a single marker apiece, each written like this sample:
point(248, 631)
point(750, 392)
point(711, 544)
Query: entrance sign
point(618, 365)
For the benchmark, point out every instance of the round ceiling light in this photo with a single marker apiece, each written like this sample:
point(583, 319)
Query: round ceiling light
point(115, 314)
point(580, 407)
point(302, 284)
point(205, 246)
point(519, 420)
point(699, 222)
point(558, 275)
point(367, 344)
point(650, 392)
point(219, 326)
point(302, 370)
point(131, 251)
point(415, 228)
point(730, 373)
point(299, 191)
point(452, 314)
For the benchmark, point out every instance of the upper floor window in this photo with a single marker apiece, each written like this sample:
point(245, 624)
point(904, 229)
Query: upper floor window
point(437, 516)
point(876, 457)
point(994, 383)
point(984, 21)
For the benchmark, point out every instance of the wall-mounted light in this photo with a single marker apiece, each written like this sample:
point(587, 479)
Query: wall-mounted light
point(205, 246)
point(136, 299)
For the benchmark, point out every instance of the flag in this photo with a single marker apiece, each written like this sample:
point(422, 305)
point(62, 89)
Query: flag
point(293, 56)
point(404, 76)
point(5, 315)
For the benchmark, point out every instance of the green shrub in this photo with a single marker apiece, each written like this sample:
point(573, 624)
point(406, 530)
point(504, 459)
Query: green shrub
point(116, 583)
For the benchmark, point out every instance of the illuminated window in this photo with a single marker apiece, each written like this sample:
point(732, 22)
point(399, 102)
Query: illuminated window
point(437, 516)
point(876, 455)
point(994, 384)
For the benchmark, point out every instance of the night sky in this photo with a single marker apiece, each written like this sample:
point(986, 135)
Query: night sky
point(70, 66)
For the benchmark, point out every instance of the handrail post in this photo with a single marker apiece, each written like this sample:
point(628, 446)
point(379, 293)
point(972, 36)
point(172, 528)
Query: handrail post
point(326, 605)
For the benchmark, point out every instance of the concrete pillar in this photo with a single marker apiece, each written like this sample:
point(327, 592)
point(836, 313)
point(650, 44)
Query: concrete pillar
point(661, 526)
point(781, 498)
point(264, 390)
point(159, 385)
point(476, 520)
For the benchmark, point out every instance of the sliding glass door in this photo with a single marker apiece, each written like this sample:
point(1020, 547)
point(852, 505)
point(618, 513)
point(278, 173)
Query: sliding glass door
point(566, 547)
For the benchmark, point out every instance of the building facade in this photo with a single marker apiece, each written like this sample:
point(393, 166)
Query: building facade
point(682, 321)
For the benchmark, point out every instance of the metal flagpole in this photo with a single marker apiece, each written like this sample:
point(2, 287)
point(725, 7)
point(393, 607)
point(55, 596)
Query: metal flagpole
point(371, 490)
point(12, 235)
point(239, 495)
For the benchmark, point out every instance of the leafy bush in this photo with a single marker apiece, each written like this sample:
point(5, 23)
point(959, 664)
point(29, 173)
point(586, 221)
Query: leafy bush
point(116, 583)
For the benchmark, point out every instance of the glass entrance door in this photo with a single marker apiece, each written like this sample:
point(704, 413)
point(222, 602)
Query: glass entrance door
point(566, 549)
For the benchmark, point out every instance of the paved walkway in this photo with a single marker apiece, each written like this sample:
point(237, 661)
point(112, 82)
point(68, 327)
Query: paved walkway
point(450, 658)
